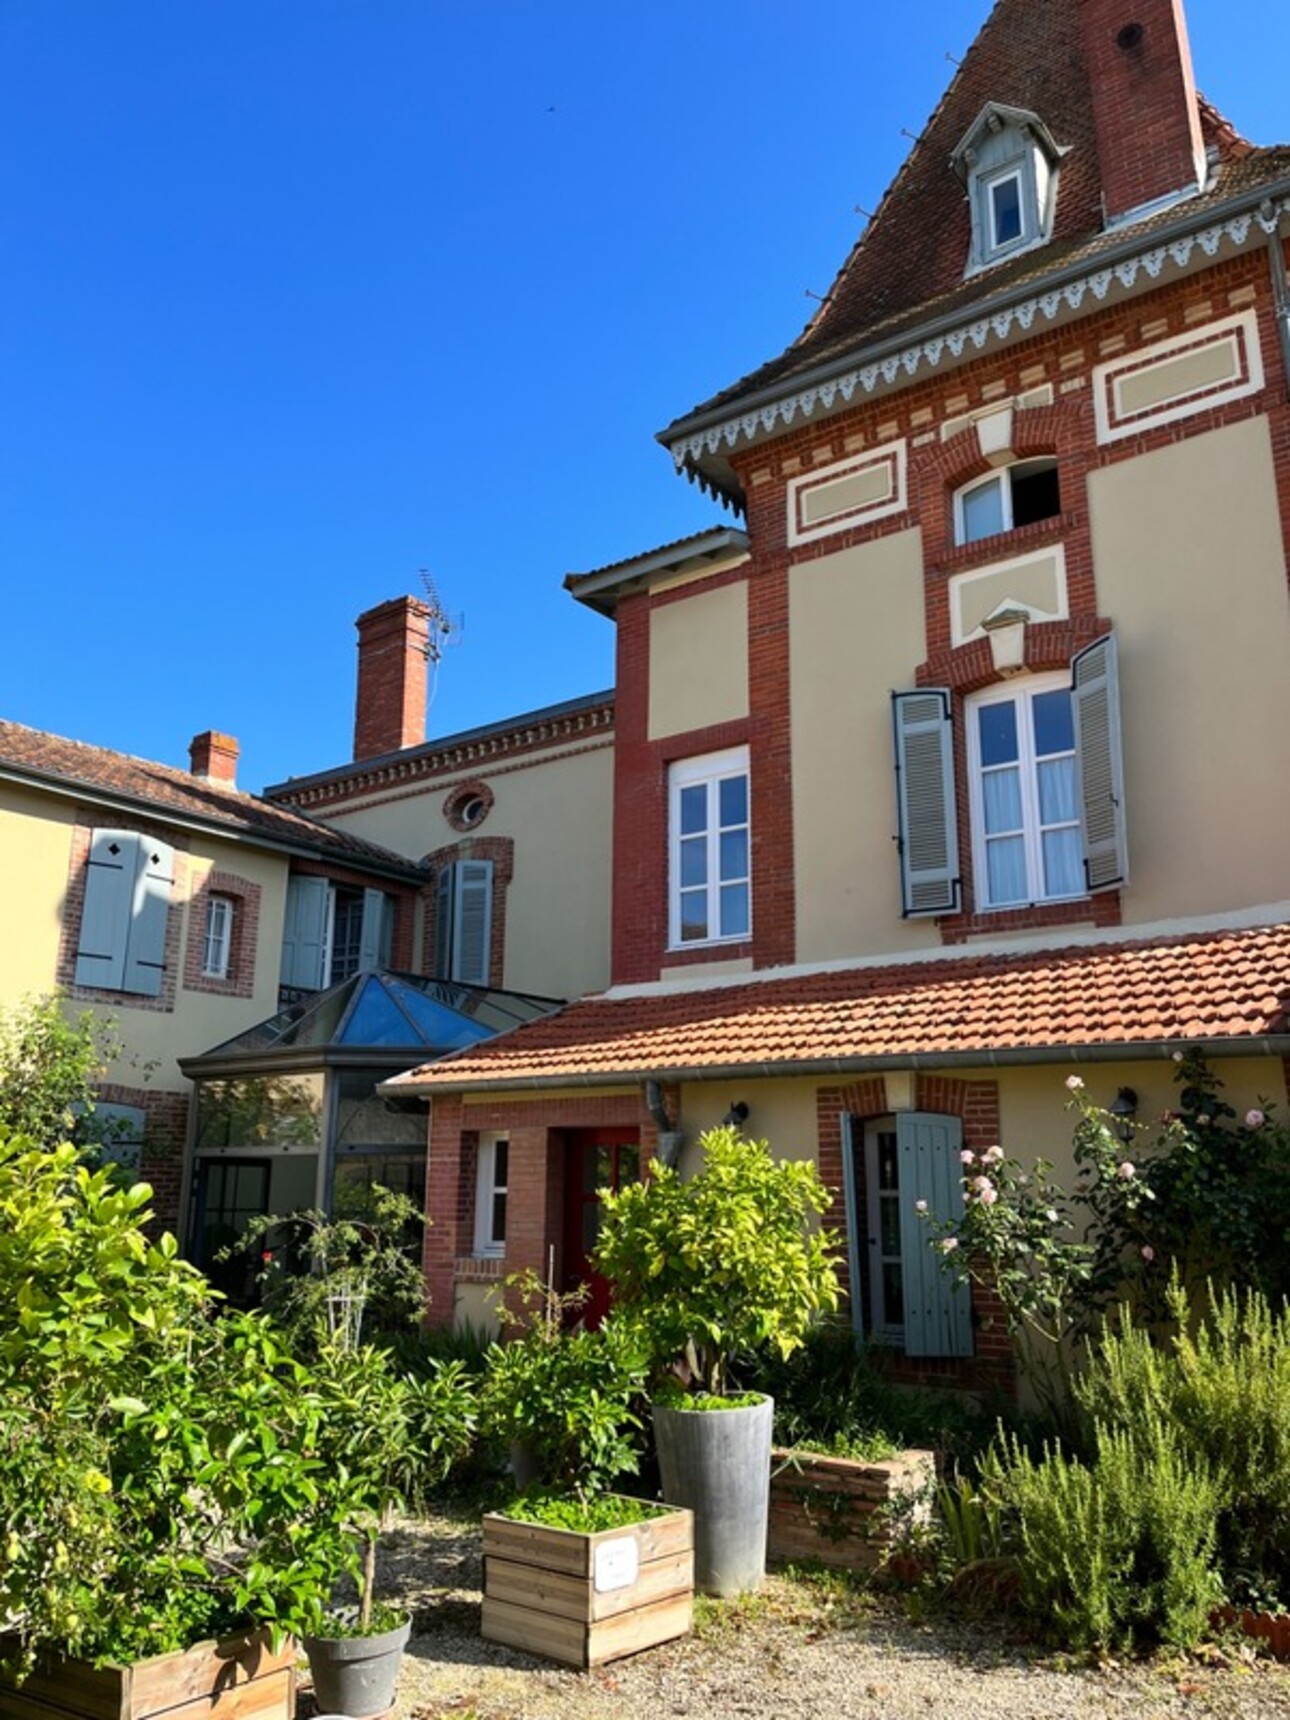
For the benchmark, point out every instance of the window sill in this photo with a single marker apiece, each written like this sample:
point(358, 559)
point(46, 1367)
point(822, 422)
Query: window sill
point(1100, 910)
point(1005, 546)
point(479, 1268)
point(728, 949)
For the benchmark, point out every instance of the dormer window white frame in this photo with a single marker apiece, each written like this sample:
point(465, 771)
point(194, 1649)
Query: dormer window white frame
point(1008, 163)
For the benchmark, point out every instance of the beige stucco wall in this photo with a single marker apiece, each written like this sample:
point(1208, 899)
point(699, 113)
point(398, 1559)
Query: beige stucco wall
point(476, 1307)
point(855, 633)
point(1191, 570)
point(698, 661)
point(35, 842)
point(557, 808)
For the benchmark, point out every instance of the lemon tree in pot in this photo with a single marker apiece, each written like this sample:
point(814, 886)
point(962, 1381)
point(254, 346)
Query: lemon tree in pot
point(728, 1261)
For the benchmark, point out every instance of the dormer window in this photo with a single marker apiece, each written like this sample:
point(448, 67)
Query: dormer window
point(1016, 495)
point(1008, 162)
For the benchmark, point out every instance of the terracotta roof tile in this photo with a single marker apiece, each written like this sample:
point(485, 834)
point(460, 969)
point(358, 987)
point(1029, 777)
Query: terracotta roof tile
point(1230, 985)
point(34, 754)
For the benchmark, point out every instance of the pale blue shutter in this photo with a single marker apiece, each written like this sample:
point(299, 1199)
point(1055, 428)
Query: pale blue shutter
point(145, 950)
point(118, 1130)
point(854, 1217)
point(444, 909)
point(1099, 764)
point(304, 933)
point(105, 917)
point(938, 1307)
point(372, 935)
point(925, 800)
point(473, 931)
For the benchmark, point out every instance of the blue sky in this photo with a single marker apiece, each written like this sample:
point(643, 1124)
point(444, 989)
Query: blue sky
point(298, 297)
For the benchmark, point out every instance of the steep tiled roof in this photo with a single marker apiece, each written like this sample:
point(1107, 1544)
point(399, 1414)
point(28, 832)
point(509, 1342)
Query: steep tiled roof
point(907, 267)
point(34, 755)
point(1214, 986)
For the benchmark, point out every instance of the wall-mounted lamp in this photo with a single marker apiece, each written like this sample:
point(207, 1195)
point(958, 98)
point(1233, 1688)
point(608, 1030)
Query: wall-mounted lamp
point(737, 1115)
point(1124, 1108)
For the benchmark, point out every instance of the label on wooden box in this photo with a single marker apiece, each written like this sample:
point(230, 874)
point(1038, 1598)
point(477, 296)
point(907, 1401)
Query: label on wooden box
point(617, 1564)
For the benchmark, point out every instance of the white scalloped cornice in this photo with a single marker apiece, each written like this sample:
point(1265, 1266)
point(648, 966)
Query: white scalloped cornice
point(971, 334)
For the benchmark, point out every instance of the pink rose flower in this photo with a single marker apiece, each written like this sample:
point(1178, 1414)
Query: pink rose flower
point(992, 1155)
point(1126, 1171)
point(1254, 1119)
point(967, 1156)
point(988, 1195)
point(949, 1244)
point(1148, 1253)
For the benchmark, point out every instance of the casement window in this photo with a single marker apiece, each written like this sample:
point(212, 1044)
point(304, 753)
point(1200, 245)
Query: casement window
point(491, 1171)
point(118, 1133)
point(1045, 776)
point(464, 922)
point(710, 890)
point(1008, 162)
point(331, 932)
point(121, 945)
point(217, 940)
point(1016, 495)
point(890, 1166)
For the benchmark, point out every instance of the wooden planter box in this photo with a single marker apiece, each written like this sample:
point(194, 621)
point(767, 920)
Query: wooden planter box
point(238, 1679)
point(839, 1512)
point(586, 1599)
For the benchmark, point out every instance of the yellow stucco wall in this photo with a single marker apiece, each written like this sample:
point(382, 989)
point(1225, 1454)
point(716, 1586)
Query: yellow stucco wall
point(1191, 571)
point(35, 841)
point(855, 633)
point(557, 809)
point(698, 661)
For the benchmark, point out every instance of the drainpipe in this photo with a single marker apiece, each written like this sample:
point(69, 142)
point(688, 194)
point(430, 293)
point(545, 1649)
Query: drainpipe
point(670, 1140)
point(1269, 218)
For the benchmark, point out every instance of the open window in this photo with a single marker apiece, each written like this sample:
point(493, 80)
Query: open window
point(1017, 495)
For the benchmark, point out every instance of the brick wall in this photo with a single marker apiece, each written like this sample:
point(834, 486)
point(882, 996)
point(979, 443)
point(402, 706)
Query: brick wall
point(501, 851)
point(164, 1136)
point(244, 895)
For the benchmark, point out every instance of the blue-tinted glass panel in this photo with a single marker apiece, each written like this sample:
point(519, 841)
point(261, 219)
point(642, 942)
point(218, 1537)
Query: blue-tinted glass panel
point(1057, 791)
point(734, 910)
point(997, 733)
point(982, 511)
point(1063, 863)
point(694, 862)
point(694, 914)
point(694, 809)
point(1006, 867)
point(733, 800)
point(734, 854)
point(1054, 723)
point(1005, 202)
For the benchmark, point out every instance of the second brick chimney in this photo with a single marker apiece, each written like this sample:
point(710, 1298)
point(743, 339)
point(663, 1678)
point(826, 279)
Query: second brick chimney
point(213, 757)
point(390, 712)
point(1149, 140)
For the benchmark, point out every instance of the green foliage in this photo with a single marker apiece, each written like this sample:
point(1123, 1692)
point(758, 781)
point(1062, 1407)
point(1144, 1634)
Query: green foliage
point(565, 1395)
point(724, 1262)
point(585, 1516)
point(49, 1063)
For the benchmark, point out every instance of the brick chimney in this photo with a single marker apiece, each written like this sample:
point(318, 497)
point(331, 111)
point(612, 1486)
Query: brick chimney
point(1145, 112)
point(390, 711)
point(213, 757)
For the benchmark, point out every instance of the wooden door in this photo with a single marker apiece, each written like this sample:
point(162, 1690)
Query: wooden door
point(595, 1159)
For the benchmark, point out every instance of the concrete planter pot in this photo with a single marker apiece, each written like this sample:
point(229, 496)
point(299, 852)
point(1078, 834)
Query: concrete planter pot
point(240, 1676)
point(717, 1463)
point(357, 1675)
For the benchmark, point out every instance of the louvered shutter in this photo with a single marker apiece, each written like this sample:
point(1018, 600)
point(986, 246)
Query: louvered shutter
point(929, 842)
point(444, 909)
point(304, 933)
point(1099, 763)
point(372, 939)
point(109, 900)
point(119, 1132)
point(854, 1217)
point(938, 1307)
point(145, 950)
point(472, 942)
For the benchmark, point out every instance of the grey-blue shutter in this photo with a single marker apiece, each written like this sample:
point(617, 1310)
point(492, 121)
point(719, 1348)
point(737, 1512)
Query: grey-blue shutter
point(929, 841)
point(109, 900)
point(473, 932)
point(1099, 764)
point(304, 933)
point(372, 933)
point(938, 1307)
point(444, 910)
point(119, 1132)
point(145, 950)
point(855, 1219)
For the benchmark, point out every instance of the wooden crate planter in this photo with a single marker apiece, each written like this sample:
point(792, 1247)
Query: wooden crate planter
point(238, 1679)
point(840, 1512)
point(586, 1599)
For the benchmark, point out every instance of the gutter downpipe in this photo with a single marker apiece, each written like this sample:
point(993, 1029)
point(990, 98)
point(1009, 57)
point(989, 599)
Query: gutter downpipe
point(1280, 289)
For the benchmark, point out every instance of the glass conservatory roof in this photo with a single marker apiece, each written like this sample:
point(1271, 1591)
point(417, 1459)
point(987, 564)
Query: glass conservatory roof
point(395, 1012)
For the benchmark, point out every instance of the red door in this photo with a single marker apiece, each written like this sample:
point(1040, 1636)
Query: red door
point(595, 1159)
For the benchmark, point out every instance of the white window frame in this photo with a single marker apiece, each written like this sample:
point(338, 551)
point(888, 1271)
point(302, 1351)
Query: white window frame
point(1002, 475)
point(217, 938)
point(989, 185)
point(488, 1245)
point(710, 770)
point(1018, 690)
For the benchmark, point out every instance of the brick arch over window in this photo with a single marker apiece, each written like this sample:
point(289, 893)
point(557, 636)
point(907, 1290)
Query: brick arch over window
point(976, 1104)
point(245, 897)
point(500, 850)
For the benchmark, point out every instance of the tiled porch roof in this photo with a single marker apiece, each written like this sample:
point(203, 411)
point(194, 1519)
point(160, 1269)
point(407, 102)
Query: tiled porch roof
point(1218, 988)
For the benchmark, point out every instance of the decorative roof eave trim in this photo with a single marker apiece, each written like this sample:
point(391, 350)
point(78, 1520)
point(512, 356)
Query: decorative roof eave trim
point(931, 1062)
point(953, 334)
point(600, 589)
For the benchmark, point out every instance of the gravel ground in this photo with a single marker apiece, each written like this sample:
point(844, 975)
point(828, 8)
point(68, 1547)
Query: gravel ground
point(799, 1649)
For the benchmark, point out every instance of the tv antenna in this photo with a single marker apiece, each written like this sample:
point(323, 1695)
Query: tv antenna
point(442, 630)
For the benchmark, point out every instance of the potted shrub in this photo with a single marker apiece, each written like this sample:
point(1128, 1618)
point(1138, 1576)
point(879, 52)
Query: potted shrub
point(571, 1570)
point(179, 1461)
point(725, 1262)
point(385, 1437)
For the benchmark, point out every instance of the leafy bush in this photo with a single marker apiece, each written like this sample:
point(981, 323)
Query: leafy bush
point(49, 1063)
point(724, 1262)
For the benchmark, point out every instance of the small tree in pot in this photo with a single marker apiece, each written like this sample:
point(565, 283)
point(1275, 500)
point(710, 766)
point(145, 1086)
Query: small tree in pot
point(728, 1261)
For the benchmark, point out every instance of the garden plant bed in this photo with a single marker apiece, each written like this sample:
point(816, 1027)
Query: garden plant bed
point(840, 1511)
point(587, 1598)
point(241, 1678)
